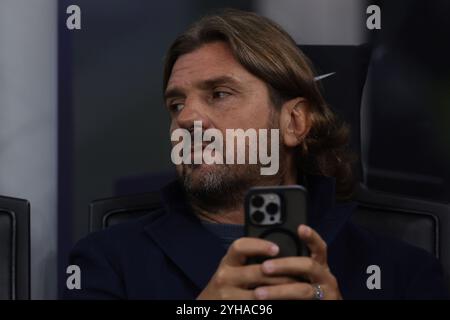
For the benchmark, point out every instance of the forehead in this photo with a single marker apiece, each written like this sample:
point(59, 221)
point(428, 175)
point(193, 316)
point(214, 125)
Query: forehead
point(209, 61)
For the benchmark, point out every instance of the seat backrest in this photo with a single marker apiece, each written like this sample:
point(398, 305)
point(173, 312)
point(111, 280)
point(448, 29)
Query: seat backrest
point(14, 249)
point(107, 212)
point(421, 223)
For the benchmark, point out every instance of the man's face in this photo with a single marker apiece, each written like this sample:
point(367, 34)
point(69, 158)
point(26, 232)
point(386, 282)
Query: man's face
point(209, 85)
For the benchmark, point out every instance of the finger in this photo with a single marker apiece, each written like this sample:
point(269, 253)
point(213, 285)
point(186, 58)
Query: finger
point(292, 291)
point(315, 243)
point(249, 247)
point(236, 294)
point(296, 266)
point(252, 276)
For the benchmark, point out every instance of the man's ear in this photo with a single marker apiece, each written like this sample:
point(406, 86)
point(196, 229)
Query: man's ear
point(295, 121)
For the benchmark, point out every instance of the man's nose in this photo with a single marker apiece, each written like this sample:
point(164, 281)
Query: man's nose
point(192, 111)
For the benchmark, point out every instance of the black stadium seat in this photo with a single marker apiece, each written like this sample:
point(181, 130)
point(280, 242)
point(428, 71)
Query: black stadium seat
point(424, 224)
point(107, 212)
point(14, 249)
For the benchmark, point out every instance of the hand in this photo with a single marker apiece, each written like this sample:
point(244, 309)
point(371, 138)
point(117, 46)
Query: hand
point(314, 268)
point(233, 280)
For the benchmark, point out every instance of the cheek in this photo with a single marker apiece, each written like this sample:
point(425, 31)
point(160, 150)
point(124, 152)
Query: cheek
point(260, 116)
point(260, 107)
point(256, 112)
point(172, 128)
point(245, 112)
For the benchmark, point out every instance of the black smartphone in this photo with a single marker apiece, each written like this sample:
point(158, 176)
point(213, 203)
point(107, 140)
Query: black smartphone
point(274, 214)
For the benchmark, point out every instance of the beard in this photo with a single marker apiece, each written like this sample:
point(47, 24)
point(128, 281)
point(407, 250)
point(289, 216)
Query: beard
point(220, 187)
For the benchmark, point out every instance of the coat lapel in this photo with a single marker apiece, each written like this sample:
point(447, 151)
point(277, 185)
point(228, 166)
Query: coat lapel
point(180, 234)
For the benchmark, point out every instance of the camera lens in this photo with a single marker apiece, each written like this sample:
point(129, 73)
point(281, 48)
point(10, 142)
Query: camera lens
point(258, 216)
point(257, 201)
point(272, 208)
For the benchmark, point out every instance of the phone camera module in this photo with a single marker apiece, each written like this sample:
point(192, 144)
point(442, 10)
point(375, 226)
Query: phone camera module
point(265, 209)
point(272, 208)
point(258, 216)
point(257, 201)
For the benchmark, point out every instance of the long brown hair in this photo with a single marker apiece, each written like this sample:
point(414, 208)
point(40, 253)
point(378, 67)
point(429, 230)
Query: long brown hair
point(268, 52)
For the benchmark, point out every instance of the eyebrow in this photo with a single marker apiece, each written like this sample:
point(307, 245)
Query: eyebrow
point(204, 85)
point(214, 82)
point(173, 92)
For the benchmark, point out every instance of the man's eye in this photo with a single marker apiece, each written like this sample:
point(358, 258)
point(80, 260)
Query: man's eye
point(176, 107)
point(220, 94)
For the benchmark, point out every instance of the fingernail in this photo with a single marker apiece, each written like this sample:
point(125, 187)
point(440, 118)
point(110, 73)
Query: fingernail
point(305, 230)
point(274, 249)
point(261, 293)
point(268, 266)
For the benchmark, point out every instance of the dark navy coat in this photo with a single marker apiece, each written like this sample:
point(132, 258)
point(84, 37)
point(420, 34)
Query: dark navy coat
point(169, 254)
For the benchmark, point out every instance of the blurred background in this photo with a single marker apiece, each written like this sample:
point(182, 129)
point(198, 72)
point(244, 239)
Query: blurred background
point(81, 111)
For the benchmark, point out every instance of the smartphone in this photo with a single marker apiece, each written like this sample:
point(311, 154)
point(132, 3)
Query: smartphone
point(274, 214)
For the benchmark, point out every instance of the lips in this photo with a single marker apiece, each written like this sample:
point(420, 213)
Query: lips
point(197, 156)
point(203, 147)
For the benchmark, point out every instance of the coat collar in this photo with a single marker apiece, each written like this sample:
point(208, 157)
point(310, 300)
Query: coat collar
point(180, 234)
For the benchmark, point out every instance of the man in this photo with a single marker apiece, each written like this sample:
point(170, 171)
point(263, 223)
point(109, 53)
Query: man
point(239, 70)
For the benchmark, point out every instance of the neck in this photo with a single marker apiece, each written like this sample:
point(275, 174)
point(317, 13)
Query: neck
point(232, 216)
